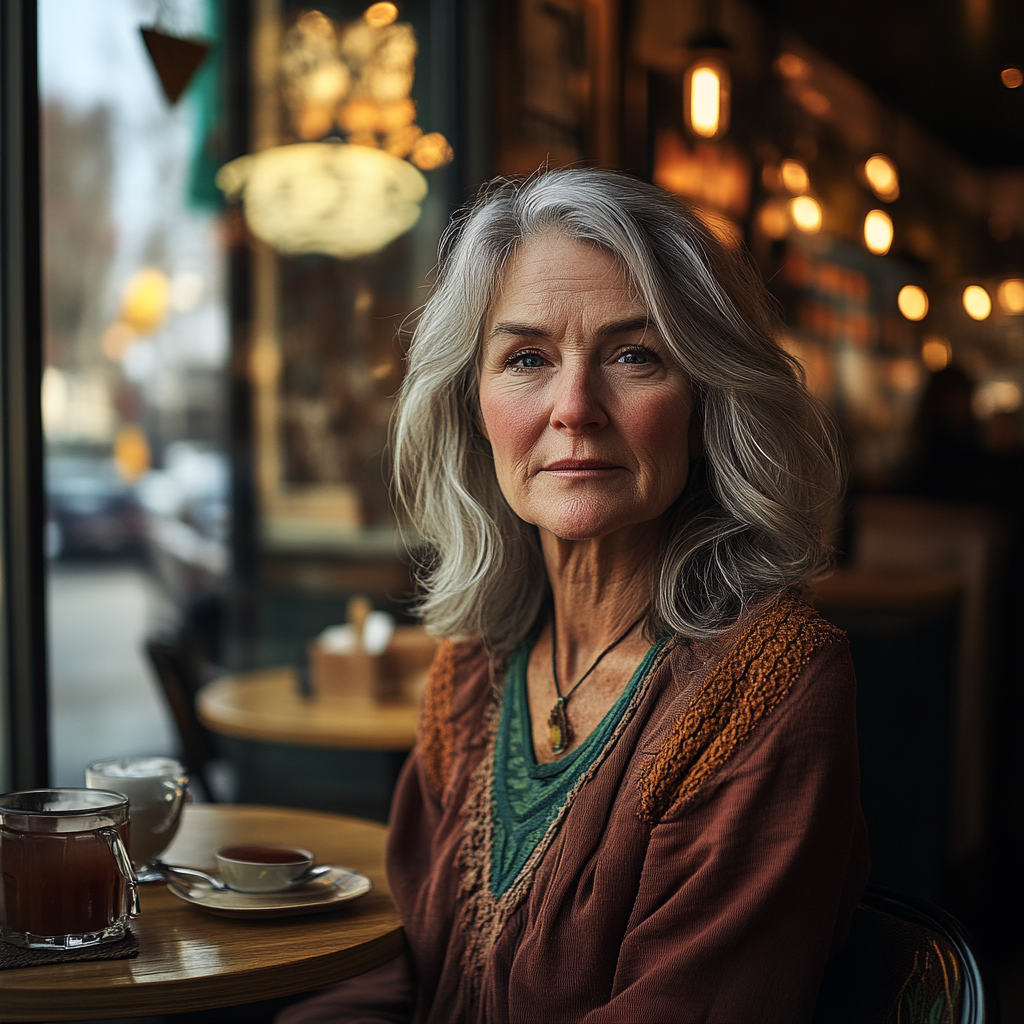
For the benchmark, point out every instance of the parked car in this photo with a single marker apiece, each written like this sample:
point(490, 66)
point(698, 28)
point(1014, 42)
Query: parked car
point(90, 509)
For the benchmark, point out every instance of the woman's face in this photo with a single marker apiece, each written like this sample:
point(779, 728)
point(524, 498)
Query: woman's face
point(585, 408)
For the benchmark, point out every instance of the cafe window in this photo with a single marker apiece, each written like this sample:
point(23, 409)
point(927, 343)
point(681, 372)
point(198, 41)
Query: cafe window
point(136, 343)
point(241, 208)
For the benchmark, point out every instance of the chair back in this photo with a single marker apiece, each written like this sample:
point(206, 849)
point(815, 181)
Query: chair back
point(904, 962)
point(178, 672)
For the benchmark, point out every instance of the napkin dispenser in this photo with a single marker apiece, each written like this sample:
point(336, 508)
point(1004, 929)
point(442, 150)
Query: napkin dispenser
point(370, 658)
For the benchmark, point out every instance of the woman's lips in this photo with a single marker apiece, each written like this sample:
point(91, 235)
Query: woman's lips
point(580, 467)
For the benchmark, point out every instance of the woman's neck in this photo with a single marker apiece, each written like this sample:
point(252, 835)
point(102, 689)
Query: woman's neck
point(599, 586)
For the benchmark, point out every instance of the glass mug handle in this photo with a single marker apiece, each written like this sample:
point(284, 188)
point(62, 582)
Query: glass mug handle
point(178, 790)
point(124, 865)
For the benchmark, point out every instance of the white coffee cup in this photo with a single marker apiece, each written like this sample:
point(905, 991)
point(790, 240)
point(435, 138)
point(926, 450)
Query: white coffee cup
point(255, 867)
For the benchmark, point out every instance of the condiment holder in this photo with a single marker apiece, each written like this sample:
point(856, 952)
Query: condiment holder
point(370, 659)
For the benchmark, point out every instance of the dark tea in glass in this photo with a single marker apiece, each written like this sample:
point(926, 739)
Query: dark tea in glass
point(65, 876)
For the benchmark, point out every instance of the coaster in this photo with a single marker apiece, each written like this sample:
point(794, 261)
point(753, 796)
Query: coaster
point(15, 956)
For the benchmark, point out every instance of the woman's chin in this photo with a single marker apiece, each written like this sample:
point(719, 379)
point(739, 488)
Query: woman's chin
point(580, 526)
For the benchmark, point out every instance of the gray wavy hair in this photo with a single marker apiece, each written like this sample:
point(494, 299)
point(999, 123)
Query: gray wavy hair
point(754, 517)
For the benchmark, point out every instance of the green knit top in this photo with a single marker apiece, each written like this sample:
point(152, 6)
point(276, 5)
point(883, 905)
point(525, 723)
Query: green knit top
point(527, 796)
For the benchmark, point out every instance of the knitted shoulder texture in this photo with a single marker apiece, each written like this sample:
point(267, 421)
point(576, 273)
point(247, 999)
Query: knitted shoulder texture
point(748, 683)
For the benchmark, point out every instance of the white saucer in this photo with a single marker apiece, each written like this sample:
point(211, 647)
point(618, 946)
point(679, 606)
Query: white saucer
point(337, 886)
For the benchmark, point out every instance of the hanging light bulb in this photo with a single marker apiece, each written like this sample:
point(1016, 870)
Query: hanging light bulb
point(706, 97)
point(706, 84)
point(878, 232)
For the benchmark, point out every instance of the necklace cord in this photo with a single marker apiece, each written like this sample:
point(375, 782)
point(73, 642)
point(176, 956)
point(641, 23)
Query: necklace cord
point(554, 656)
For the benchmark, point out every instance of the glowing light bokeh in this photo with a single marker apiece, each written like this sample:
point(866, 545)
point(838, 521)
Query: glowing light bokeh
point(430, 151)
point(132, 457)
point(1011, 296)
point(912, 302)
point(977, 302)
point(773, 219)
point(789, 65)
point(878, 232)
point(705, 107)
point(996, 396)
point(936, 353)
point(1012, 78)
point(145, 300)
point(380, 15)
point(806, 214)
point(883, 177)
point(341, 200)
point(795, 177)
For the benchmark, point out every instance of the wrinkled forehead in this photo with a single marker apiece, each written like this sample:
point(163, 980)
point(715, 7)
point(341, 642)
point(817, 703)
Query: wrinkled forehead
point(553, 268)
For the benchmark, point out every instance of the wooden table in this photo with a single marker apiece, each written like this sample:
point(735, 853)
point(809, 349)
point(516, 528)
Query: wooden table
point(266, 706)
point(191, 960)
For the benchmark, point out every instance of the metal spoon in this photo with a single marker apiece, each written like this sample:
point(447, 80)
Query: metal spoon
point(171, 870)
point(218, 884)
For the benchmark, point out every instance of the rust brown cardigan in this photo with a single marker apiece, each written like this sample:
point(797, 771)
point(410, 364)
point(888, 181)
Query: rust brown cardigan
point(702, 871)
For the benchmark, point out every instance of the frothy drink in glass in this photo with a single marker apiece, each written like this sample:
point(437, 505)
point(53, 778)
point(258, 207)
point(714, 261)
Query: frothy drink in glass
point(156, 789)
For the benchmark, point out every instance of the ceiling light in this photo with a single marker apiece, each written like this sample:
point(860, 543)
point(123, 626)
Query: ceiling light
point(878, 232)
point(977, 302)
point(341, 200)
point(706, 97)
point(913, 302)
point(806, 214)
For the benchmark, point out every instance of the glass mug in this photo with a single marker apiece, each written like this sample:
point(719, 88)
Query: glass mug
point(156, 788)
point(65, 876)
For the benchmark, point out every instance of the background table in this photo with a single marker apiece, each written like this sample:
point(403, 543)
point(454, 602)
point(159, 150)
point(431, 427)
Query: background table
point(266, 705)
point(191, 960)
point(326, 753)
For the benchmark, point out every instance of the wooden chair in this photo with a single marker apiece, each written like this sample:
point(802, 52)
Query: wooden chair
point(905, 962)
point(178, 670)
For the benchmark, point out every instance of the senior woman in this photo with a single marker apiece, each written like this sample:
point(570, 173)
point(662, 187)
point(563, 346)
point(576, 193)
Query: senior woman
point(634, 796)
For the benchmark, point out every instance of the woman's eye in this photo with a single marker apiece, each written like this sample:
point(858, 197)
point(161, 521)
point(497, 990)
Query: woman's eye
point(525, 360)
point(635, 355)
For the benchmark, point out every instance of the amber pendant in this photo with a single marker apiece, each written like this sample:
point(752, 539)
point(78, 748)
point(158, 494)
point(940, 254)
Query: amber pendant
point(558, 727)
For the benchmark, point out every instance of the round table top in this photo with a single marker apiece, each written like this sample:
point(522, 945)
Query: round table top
point(191, 960)
point(266, 705)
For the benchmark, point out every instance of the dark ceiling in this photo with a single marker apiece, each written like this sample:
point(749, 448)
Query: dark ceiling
point(936, 60)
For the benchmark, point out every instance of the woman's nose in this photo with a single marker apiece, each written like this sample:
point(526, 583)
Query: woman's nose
point(577, 407)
